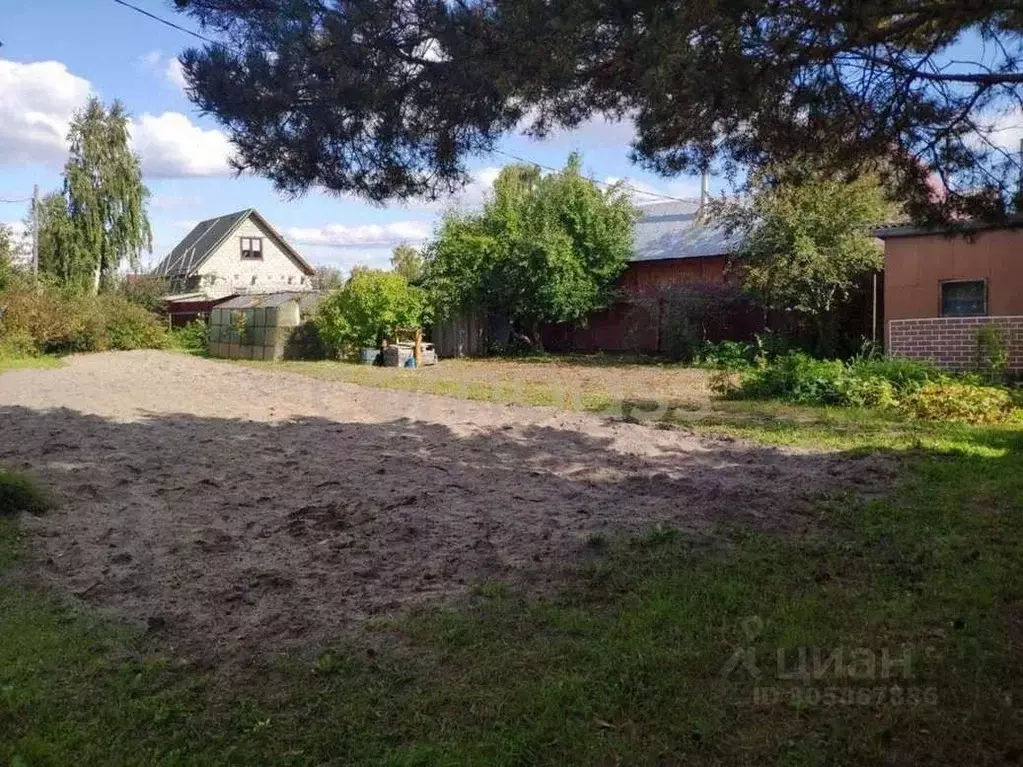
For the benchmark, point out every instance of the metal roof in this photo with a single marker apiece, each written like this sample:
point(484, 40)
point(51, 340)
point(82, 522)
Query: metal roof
point(891, 231)
point(673, 230)
point(306, 300)
point(206, 236)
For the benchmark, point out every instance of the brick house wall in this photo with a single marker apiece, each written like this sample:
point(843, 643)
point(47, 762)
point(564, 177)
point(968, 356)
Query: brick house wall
point(917, 264)
point(952, 342)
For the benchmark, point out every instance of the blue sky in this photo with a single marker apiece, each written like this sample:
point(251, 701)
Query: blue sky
point(56, 53)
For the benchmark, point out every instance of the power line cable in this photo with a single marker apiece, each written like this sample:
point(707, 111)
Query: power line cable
point(172, 25)
point(18, 201)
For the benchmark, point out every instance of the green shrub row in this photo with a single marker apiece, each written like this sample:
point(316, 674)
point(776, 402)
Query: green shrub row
point(39, 319)
point(916, 389)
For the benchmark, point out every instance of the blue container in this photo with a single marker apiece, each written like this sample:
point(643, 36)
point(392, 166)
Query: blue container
point(368, 355)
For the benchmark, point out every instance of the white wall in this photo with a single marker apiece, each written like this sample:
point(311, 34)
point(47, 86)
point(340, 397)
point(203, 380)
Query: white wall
point(225, 272)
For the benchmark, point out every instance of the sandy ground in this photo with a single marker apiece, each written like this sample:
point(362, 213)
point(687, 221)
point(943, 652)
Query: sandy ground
point(234, 509)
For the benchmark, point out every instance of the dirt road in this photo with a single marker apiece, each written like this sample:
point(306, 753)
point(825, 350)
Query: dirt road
point(237, 509)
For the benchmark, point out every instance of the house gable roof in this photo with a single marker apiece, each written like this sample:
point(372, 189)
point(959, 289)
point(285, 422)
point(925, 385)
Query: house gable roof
point(206, 236)
point(674, 230)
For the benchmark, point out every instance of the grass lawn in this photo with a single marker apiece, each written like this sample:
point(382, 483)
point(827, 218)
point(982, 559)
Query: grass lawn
point(21, 363)
point(905, 612)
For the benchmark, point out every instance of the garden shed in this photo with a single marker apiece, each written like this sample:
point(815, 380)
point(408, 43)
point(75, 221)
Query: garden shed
point(259, 326)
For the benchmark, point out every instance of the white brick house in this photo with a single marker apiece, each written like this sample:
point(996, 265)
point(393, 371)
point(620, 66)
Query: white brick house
point(237, 253)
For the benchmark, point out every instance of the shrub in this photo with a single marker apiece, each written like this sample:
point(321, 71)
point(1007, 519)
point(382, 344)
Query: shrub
point(61, 322)
point(796, 377)
point(144, 290)
point(190, 338)
point(904, 375)
point(127, 326)
point(20, 492)
point(18, 344)
point(730, 355)
point(367, 310)
point(949, 401)
point(868, 391)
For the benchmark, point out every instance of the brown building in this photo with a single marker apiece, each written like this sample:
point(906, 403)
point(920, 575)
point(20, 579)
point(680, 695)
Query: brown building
point(674, 246)
point(942, 289)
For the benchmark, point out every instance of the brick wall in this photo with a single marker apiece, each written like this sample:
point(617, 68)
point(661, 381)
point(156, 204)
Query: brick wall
point(951, 342)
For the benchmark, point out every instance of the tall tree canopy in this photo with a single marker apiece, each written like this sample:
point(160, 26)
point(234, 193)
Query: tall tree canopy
point(107, 222)
point(544, 249)
point(386, 98)
point(408, 262)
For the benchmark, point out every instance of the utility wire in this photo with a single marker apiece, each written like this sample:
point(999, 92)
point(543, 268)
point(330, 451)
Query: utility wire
point(172, 25)
point(187, 31)
point(18, 201)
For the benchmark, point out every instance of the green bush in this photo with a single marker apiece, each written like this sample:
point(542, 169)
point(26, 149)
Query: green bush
point(949, 401)
point(904, 375)
point(127, 326)
point(190, 338)
point(796, 377)
point(915, 389)
point(20, 492)
point(40, 319)
point(367, 310)
point(873, 391)
point(729, 355)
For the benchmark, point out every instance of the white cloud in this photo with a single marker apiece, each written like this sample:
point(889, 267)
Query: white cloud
point(37, 101)
point(166, 66)
point(1006, 130)
point(362, 235)
point(175, 74)
point(171, 146)
point(643, 193)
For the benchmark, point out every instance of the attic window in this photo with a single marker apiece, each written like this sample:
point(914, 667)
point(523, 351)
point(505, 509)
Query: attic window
point(252, 247)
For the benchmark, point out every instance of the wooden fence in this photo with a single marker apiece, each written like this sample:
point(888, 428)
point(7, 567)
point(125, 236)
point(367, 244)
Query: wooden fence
point(462, 336)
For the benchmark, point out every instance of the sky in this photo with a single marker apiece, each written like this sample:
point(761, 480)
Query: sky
point(56, 53)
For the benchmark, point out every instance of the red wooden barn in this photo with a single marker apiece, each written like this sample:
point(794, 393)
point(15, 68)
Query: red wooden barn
point(676, 244)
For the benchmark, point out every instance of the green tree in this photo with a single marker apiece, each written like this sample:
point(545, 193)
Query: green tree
point(106, 199)
point(6, 256)
point(59, 259)
point(544, 249)
point(329, 279)
point(743, 83)
point(408, 262)
point(807, 244)
point(367, 310)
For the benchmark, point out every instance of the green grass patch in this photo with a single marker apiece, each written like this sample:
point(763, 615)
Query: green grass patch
point(25, 363)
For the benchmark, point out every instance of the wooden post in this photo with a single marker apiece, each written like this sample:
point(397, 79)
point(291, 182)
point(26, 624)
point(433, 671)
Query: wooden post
point(417, 349)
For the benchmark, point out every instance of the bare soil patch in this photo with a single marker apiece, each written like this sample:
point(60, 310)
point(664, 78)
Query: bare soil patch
point(235, 509)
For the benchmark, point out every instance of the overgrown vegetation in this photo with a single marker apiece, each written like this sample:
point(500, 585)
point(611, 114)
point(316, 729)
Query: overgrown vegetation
point(191, 337)
point(39, 318)
point(913, 388)
point(367, 310)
